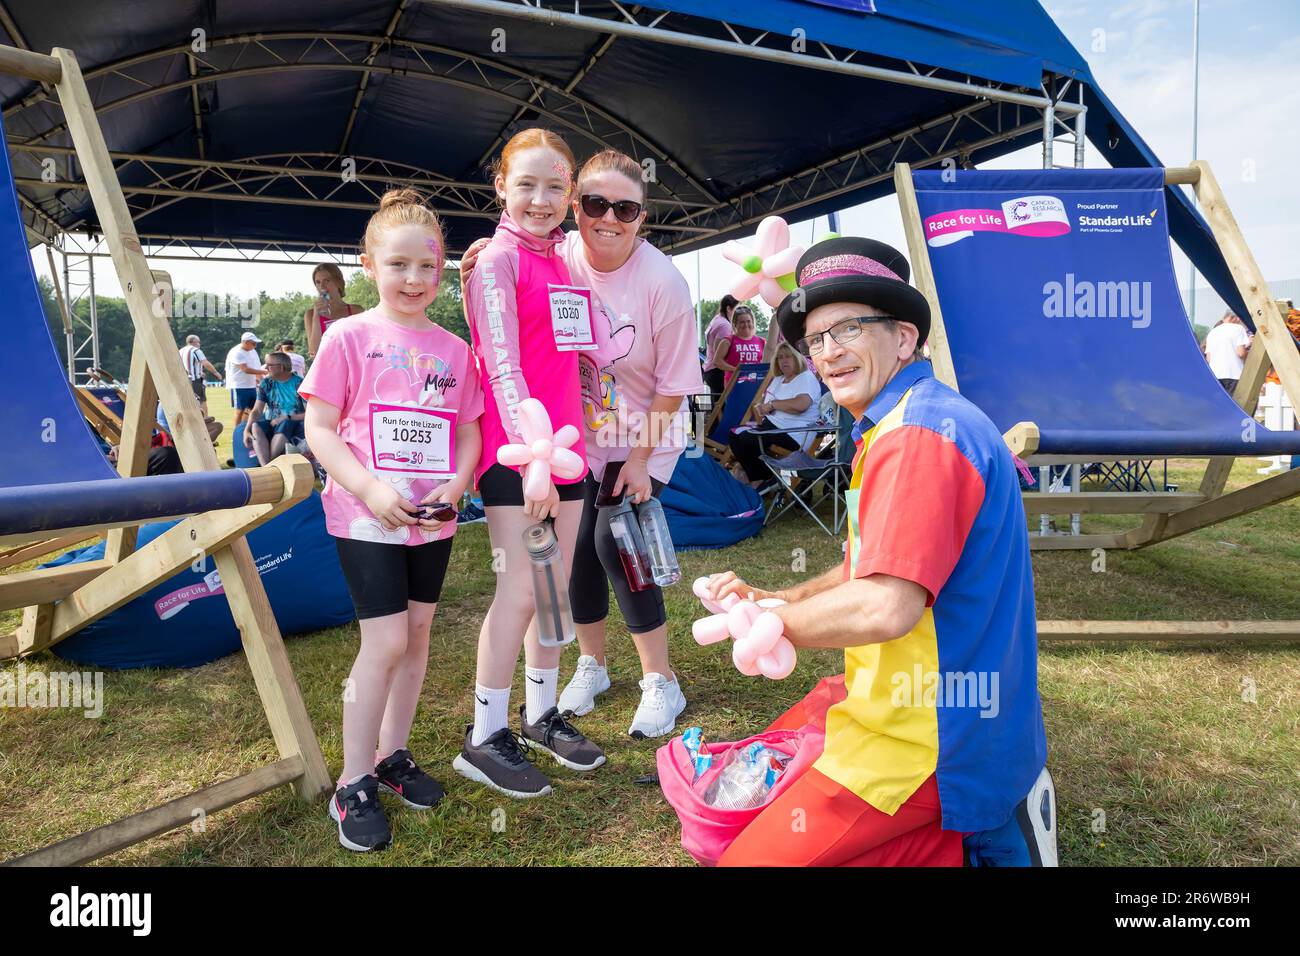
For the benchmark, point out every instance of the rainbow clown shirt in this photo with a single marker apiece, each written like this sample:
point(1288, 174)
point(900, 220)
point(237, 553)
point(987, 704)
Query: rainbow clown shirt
point(935, 499)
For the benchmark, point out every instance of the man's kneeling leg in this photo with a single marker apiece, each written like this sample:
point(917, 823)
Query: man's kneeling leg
point(817, 822)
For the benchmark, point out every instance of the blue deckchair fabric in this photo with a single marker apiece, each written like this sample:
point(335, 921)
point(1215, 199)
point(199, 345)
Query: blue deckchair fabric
point(1061, 308)
point(44, 436)
point(706, 507)
point(749, 376)
point(53, 473)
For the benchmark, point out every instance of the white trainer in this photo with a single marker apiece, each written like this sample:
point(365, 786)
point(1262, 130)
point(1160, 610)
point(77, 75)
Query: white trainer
point(589, 680)
point(662, 701)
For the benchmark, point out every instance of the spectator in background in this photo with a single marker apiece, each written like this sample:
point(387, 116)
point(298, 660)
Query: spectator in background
point(243, 369)
point(746, 346)
point(329, 306)
point(195, 362)
point(278, 414)
point(299, 363)
point(717, 343)
point(1226, 346)
point(790, 401)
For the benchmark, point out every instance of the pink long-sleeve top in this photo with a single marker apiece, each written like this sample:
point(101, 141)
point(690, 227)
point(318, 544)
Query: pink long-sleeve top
point(508, 308)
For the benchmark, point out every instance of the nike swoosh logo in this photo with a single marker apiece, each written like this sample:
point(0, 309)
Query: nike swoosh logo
point(537, 681)
point(480, 700)
point(343, 811)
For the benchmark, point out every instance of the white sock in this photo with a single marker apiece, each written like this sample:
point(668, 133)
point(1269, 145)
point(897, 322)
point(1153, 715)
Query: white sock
point(490, 708)
point(539, 695)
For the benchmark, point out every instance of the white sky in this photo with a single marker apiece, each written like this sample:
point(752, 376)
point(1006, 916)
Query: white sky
point(1140, 52)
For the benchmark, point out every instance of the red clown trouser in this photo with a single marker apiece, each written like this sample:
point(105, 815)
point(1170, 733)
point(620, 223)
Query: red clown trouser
point(817, 822)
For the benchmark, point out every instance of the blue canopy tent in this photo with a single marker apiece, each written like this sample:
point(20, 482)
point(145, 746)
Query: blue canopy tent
point(243, 128)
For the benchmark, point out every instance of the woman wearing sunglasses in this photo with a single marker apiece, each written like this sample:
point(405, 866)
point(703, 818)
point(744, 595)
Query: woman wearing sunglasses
point(634, 388)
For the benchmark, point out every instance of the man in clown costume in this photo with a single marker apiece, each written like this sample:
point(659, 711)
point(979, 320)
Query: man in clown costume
point(934, 747)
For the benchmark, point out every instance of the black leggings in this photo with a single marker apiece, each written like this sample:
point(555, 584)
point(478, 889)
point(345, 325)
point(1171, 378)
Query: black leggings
point(748, 448)
point(596, 564)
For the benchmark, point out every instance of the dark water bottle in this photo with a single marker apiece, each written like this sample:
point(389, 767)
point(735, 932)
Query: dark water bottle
point(664, 568)
point(550, 586)
point(626, 530)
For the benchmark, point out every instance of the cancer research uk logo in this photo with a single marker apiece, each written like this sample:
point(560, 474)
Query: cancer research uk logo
point(1035, 216)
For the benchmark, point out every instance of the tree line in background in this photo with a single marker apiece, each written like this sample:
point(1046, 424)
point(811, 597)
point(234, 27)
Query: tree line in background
point(274, 319)
point(219, 326)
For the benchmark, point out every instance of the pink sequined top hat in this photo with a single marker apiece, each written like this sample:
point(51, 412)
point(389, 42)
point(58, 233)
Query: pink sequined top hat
point(852, 269)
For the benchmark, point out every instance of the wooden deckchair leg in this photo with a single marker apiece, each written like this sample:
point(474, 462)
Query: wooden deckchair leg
point(35, 629)
point(276, 685)
point(137, 435)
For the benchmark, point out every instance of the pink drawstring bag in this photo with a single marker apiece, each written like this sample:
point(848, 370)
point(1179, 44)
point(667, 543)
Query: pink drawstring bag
point(707, 831)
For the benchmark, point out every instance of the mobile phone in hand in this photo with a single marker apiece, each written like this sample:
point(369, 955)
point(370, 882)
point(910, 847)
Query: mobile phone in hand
point(605, 494)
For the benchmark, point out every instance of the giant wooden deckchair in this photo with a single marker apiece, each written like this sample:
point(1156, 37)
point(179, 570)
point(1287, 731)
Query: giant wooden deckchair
point(1055, 309)
point(56, 484)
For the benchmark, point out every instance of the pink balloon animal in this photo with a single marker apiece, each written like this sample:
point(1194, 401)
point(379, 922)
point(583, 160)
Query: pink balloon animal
point(544, 451)
point(770, 269)
point(761, 647)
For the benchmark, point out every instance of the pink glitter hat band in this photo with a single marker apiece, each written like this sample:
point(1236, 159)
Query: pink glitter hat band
point(836, 267)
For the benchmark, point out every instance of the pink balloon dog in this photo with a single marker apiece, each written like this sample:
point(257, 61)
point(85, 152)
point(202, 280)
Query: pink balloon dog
point(761, 646)
point(544, 451)
point(770, 269)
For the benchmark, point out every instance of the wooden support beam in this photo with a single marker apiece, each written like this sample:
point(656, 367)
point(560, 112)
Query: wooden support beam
point(33, 66)
point(153, 334)
point(182, 811)
point(1108, 502)
point(269, 662)
point(202, 535)
point(1247, 396)
point(25, 553)
point(923, 274)
point(1182, 176)
point(1270, 329)
point(1076, 542)
point(1243, 501)
point(46, 585)
point(1168, 630)
point(1022, 439)
point(35, 629)
point(267, 481)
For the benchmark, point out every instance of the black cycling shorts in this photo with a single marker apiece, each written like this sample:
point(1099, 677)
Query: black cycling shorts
point(505, 486)
point(383, 577)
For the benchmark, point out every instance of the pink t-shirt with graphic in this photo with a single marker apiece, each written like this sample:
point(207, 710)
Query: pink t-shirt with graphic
point(646, 343)
point(414, 386)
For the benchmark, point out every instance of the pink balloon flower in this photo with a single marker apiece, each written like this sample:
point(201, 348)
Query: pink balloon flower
point(544, 451)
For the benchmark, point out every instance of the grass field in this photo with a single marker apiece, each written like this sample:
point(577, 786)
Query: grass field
point(1159, 744)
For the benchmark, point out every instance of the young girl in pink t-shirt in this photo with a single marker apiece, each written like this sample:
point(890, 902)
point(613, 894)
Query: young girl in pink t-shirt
point(528, 325)
point(393, 409)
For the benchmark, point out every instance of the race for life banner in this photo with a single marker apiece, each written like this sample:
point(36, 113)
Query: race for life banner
point(1060, 302)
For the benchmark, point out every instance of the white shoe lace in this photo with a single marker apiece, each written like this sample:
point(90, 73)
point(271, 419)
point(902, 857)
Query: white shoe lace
point(653, 697)
point(584, 678)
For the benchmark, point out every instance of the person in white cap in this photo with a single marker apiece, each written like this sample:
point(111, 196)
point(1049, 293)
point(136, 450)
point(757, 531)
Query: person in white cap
point(243, 369)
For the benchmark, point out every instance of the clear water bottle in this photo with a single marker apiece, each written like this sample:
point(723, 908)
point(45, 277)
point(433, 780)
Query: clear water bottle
point(626, 530)
point(658, 543)
point(550, 586)
point(326, 310)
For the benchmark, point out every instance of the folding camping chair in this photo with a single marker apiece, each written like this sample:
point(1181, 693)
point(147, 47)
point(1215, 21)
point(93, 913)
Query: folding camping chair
point(1070, 374)
point(735, 407)
point(808, 478)
point(55, 485)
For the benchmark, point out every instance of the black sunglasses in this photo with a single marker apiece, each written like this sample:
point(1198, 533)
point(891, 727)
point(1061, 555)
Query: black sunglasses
point(625, 210)
point(439, 511)
point(842, 332)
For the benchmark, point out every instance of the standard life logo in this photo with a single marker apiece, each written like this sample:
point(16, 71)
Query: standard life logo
point(1107, 217)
